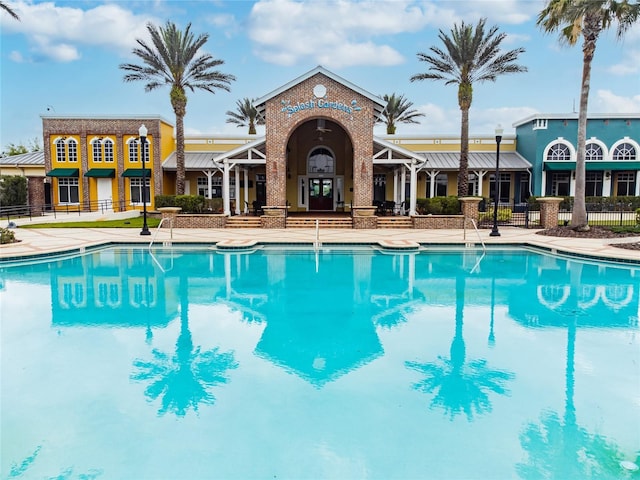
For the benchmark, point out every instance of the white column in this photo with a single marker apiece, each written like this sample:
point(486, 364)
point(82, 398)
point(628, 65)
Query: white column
point(413, 188)
point(403, 183)
point(572, 184)
point(226, 203)
point(638, 186)
point(237, 171)
point(543, 183)
point(209, 174)
point(395, 185)
point(480, 174)
point(246, 190)
point(606, 183)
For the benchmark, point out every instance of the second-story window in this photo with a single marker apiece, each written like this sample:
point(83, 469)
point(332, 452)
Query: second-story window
point(60, 150)
point(559, 151)
point(108, 150)
point(72, 148)
point(624, 151)
point(133, 151)
point(97, 151)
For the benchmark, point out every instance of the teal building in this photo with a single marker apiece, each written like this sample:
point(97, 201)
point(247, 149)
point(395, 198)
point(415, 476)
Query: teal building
point(548, 142)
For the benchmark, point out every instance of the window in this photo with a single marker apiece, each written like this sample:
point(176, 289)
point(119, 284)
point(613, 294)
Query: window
point(626, 183)
point(540, 123)
point(321, 160)
point(108, 151)
point(68, 190)
point(60, 150)
point(440, 186)
point(593, 152)
point(593, 184)
point(624, 151)
point(133, 151)
point(136, 191)
point(72, 147)
point(559, 152)
point(560, 184)
point(504, 187)
point(472, 186)
point(97, 151)
point(379, 187)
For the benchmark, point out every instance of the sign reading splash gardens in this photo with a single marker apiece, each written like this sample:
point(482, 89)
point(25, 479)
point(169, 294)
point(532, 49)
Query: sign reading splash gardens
point(291, 109)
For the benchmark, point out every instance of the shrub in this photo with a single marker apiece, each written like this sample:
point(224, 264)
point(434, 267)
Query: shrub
point(504, 214)
point(438, 206)
point(6, 236)
point(188, 203)
point(638, 217)
point(13, 190)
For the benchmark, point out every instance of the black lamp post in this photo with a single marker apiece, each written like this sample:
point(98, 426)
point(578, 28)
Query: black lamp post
point(142, 131)
point(496, 191)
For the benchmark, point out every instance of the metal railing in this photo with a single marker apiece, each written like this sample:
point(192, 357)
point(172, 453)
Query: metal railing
point(39, 210)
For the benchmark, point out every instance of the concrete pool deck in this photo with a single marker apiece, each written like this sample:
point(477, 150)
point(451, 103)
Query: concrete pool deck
point(47, 241)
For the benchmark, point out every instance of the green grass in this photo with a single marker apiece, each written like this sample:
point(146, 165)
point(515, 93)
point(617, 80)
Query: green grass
point(123, 223)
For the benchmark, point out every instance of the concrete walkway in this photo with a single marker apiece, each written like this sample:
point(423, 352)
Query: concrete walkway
point(54, 240)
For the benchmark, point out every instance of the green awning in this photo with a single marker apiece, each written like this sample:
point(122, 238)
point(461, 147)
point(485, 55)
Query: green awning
point(101, 173)
point(136, 172)
point(592, 166)
point(64, 172)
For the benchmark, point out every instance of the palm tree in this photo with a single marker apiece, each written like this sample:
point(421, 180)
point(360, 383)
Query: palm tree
point(398, 111)
point(245, 115)
point(171, 60)
point(9, 10)
point(586, 19)
point(470, 55)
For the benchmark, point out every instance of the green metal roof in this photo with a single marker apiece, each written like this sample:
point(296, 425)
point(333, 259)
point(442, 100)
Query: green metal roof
point(591, 166)
point(64, 172)
point(137, 172)
point(101, 173)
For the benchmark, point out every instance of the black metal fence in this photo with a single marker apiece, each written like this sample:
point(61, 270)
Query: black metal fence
point(620, 214)
point(509, 215)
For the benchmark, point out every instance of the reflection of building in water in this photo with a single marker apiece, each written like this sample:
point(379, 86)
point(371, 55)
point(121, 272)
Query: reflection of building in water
point(108, 287)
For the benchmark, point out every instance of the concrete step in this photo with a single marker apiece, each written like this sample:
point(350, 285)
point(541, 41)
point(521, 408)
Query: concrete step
point(298, 222)
point(395, 222)
point(244, 222)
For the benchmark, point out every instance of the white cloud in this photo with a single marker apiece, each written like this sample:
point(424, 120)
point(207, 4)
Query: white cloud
point(608, 102)
point(59, 33)
point(16, 56)
point(630, 63)
point(335, 33)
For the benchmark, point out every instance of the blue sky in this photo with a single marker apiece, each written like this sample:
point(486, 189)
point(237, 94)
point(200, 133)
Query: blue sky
point(63, 58)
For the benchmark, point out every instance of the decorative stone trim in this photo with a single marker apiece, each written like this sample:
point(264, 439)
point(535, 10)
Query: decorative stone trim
point(275, 211)
point(451, 222)
point(549, 210)
point(363, 211)
point(363, 223)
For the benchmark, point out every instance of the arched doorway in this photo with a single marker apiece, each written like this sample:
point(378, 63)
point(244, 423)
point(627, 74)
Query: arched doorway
point(320, 162)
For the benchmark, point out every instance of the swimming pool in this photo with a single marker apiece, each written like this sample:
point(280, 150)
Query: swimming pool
point(345, 363)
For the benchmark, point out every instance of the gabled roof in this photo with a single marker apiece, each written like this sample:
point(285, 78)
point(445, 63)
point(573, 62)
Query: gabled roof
point(378, 103)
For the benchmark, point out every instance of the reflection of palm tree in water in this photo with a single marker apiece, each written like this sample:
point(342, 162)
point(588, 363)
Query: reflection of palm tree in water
point(183, 380)
point(460, 388)
point(561, 448)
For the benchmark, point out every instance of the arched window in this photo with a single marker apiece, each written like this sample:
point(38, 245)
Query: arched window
point(321, 160)
point(72, 150)
point(624, 151)
point(60, 150)
point(133, 150)
point(593, 152)
point(108, 150)
point(559, 152)
point(97, 150)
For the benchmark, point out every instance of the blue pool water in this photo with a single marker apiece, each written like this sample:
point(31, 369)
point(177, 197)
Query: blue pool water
point(346, 364)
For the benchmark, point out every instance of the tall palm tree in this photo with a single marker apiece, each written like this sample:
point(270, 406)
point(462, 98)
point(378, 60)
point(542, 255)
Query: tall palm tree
point(470, 55)
point(9, 10)
point(398, 111)
point(586, 19)
point(245, 115)
point(173, 60)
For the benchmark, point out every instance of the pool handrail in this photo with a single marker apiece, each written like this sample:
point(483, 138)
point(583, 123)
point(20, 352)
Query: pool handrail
point(158, 229)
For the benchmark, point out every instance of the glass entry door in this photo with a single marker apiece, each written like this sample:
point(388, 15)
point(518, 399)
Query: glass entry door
point(321, 194)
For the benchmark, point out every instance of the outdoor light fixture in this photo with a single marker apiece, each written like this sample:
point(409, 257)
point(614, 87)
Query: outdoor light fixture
point(496, 192)
point(142, 132)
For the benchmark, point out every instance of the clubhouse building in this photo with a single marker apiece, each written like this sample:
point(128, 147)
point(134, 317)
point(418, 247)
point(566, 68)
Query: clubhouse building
point(319, 154)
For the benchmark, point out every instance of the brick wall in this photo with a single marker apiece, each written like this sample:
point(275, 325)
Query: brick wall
point(358, 126)
point(198, 221)
point(438, 221)
point(35, 191)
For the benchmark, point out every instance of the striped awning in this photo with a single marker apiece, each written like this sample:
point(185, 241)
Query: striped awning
point(64, 172)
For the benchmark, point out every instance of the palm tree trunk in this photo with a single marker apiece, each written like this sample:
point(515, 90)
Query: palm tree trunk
point(463, 172)
point(579, 212)
point(180, 173)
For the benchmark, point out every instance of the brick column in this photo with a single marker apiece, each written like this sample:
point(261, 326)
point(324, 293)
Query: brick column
point(549, 209)
point(470, 210)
